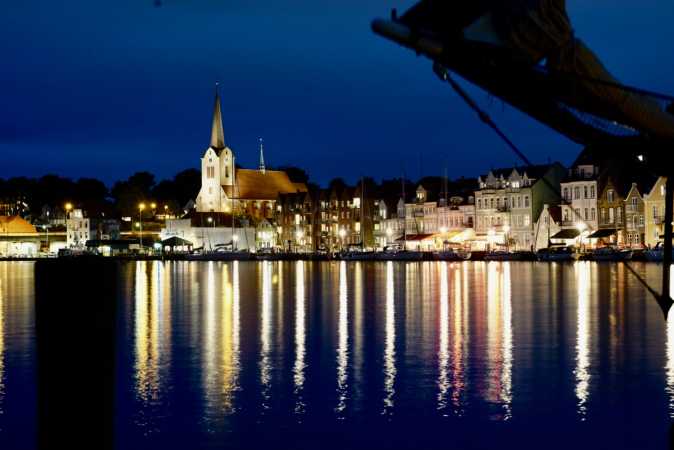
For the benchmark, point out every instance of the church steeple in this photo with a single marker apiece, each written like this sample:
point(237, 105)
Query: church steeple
point(217, 133)
point(262, 168)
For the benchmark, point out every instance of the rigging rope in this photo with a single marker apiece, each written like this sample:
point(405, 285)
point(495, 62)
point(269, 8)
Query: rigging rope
point(485, 118)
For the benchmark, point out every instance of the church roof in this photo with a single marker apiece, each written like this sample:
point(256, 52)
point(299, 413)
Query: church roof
point(259, 185)
point(217, 132)
point(15, 225)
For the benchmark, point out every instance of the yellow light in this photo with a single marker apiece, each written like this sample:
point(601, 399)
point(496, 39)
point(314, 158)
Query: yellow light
point(210, 219)
point(443, 230)
point(580, 226)
point(141, 206)
point(153, 205)
point(389, 232)
point(165, 207)
point(69, 206)
point(506, 229)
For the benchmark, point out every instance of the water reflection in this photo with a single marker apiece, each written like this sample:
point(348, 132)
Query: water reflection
point(300, 338)
point(343, 341)
point(152, 335)
point(389, 342)
point(443, 349)
point(582, 371)
point(669, 350)
point(2, 347)
point(265, 334)
point(460, 338)
point(499, 337)
point(221, 343)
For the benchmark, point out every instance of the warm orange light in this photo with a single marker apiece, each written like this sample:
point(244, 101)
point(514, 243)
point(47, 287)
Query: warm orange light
point(69, 206)
point(141, 206)
point(153, 205)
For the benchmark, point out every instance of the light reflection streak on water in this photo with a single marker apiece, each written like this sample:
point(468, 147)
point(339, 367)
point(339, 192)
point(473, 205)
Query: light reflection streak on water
point(669, 349)
point(357, 345)
point(150, 327)
point(210, 358)
point(582, 372)
point(229, 329)
point(506, 376)
point(389, 342)
point(265, 334)
point(300, 338)
point(499, 332)
point(458, 348)
point(343, 341)
point(443, 348)
point(2, 346)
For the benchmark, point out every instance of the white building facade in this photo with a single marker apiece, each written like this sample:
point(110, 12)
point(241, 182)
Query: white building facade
point(78, 230)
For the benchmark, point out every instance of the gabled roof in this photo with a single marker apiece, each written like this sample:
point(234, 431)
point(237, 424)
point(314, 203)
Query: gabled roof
point(15, 225)
point(258, 185)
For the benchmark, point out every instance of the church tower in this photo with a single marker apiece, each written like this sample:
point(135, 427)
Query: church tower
point(217, 167)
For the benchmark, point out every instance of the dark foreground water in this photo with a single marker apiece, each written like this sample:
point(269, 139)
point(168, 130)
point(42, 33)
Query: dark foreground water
point(368, 355)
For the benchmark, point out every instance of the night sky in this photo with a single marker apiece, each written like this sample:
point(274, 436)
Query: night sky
point(104, 89)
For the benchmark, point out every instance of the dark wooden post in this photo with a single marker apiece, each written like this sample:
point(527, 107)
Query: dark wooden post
point(76, 309)
point(667, 247)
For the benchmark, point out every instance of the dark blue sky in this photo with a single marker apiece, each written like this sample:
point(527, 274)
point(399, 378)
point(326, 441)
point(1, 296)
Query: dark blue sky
point(104, 89)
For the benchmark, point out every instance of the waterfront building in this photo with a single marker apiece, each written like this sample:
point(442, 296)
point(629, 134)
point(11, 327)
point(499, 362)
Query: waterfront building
point(635, 219)
point(78, 229)
point(211, 235)
point(548, 229)
point(580, 190)
point(654, 212)
point(18, 237)
point(226, 188)
point(332, 219)
point(509, 202)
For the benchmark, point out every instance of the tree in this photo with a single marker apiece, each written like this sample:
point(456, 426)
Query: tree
point(296, 174)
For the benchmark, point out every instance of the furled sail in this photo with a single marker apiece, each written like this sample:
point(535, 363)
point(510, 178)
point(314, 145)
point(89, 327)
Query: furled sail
point(525, 52)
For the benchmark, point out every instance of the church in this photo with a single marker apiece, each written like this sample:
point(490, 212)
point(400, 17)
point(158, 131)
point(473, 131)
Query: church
point(225, 188)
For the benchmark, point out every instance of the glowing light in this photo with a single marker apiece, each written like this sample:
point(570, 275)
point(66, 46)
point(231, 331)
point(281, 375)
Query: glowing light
point(210, 220)
point(141, 206)
point(506, 229)
point(443, 230)
point(235, 238)
point(580, 226)
point(153, 205)
point(342, 233)
point(68, 206)
point(389, 232)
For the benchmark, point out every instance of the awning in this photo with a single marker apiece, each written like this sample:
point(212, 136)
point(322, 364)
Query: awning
point(176, 241)
point(416, 237)
point(605, 232)
point(569, 233)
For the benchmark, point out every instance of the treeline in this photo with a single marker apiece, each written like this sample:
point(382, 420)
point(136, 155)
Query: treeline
point(31, 197)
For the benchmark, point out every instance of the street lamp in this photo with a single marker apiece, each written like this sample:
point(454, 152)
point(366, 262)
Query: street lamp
point(141, 207)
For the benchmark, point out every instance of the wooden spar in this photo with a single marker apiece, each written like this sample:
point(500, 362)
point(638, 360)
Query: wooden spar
point(667, 247)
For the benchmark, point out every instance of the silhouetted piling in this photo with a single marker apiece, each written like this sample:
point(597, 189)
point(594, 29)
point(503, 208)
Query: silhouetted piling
point(76, 305)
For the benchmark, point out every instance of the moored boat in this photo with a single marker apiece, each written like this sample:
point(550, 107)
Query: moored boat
point(656, 254)
point(611, 253)
point(556, 253)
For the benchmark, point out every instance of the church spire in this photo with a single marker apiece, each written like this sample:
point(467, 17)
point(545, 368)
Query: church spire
point(262, 168)
point(217, 133)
